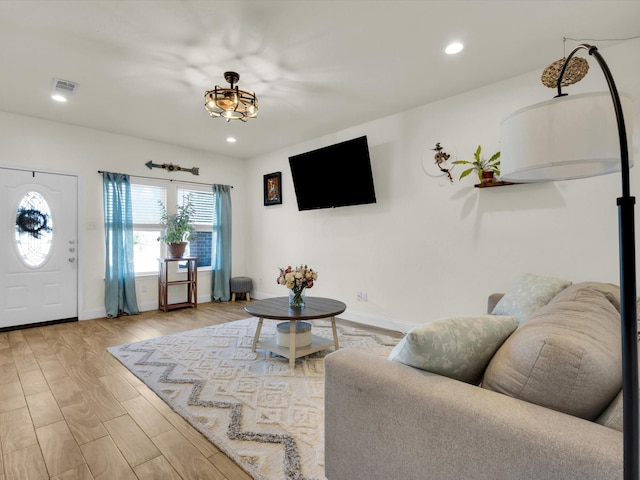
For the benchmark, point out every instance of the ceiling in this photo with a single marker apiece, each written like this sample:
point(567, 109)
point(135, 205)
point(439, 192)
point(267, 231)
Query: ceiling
point(317, 66)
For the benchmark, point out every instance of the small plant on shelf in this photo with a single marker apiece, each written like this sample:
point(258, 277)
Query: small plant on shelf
point(485, 169)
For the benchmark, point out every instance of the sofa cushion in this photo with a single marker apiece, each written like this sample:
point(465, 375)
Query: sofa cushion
point(566, 356)
point(612, 416)
point(456, 347)
point(528, 294)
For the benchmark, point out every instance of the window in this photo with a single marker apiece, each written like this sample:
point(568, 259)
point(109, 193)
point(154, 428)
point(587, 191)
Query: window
point(146, 226)
point(146, 223)
point(33, 229)
point(200, 245)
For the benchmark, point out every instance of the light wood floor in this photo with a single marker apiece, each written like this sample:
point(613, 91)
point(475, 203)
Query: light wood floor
point(69, 410)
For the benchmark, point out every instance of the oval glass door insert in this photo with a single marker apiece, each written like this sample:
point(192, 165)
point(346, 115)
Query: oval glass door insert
point(34, 229)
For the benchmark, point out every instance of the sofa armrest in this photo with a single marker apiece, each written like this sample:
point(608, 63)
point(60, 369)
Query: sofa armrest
point(493, 300)
point(385, 420)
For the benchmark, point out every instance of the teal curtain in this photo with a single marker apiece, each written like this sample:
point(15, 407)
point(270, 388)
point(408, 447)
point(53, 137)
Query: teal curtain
point(221, 244)
point(119, 277)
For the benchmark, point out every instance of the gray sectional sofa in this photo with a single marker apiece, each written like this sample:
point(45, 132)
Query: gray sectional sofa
point(547, 406)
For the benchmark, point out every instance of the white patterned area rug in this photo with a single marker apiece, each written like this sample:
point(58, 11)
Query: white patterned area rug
point(268, 418)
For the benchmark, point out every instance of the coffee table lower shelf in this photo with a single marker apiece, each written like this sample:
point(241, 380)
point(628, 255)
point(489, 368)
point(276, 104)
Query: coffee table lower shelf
point(317, 344)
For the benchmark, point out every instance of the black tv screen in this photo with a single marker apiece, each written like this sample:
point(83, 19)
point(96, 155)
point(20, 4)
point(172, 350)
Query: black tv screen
point(335, 176)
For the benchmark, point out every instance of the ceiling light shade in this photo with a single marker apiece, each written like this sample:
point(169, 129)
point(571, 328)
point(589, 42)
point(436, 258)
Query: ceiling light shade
point(568, 137)
point(231, 103)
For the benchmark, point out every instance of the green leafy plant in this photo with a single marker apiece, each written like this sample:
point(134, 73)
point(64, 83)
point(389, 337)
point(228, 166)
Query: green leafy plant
point(177, 226)
point(480, 165)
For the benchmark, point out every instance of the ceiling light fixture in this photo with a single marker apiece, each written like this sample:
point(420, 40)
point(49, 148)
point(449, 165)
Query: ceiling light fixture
point(453, 48)
point(231, 103)
point(231, 140)
point(58, 98)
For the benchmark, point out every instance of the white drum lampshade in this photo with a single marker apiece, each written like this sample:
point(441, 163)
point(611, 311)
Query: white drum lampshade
point(574, 136)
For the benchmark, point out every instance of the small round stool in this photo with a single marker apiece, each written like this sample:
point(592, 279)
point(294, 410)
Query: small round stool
point(241, 285)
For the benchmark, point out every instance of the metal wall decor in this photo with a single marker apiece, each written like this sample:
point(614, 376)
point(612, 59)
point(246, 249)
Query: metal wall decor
point(170, 167)
point(441, 158)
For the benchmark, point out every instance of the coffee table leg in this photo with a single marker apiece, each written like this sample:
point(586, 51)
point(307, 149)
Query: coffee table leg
point(335, 333)
point(257, 335)
point(292, 343)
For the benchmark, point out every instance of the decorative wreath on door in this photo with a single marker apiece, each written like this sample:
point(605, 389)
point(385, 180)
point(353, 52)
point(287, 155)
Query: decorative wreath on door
point(33, 222)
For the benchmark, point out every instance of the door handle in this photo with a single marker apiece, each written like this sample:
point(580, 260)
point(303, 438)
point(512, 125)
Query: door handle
point(72, 259)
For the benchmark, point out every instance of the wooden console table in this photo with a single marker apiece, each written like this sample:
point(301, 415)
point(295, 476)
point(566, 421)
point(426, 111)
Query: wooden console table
point(164, 283)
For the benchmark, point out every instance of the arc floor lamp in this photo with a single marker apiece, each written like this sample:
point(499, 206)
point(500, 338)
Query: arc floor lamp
point(575, 137)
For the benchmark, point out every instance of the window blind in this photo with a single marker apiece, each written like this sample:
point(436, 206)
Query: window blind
point(146, 203)
point(202, 204)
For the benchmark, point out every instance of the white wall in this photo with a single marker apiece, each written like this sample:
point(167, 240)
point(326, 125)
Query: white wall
point(428, 248)
point(50, 146)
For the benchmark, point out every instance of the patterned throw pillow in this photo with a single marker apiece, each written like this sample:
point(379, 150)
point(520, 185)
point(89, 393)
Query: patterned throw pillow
point(530, 293)
point(456, 347)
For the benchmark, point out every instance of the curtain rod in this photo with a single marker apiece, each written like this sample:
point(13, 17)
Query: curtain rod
point(168, 179)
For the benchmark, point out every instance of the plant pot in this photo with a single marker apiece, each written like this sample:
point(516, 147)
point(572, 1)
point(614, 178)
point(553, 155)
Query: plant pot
point(176, 250)
point(487, 177)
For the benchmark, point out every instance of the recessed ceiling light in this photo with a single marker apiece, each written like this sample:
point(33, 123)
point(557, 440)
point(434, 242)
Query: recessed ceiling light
point(58, 98)
point(231, 140)
point(454, 48)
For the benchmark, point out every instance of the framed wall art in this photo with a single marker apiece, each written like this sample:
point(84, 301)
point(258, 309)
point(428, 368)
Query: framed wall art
point(273, 188)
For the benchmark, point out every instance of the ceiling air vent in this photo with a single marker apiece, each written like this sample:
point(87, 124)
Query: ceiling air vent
point(64, 86)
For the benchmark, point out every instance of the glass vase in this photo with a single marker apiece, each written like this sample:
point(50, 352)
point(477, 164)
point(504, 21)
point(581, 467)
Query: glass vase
point(296, 297)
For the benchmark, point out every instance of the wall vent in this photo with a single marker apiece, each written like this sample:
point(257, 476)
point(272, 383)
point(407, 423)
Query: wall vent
point(64, 86)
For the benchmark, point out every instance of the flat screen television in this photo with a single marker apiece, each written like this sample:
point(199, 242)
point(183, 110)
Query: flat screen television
point(335, 176)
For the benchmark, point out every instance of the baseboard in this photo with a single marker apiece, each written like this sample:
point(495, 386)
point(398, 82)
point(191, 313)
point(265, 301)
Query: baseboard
point(377, 321)
point(355, 316)
point(143, 307)
point(92, 314)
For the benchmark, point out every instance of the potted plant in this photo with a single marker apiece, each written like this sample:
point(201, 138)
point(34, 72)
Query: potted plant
point(486, 169)
point(177, 228)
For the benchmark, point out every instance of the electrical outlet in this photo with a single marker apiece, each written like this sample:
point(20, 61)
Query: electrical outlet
point(359, 296)
point(364, 296)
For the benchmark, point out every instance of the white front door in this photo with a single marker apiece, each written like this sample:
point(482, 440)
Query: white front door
point(38, 241)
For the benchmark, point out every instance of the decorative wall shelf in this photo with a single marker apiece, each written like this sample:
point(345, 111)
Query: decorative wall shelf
point(493, 184)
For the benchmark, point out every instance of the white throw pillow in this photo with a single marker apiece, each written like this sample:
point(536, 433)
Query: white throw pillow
point(529, 294)
point(456, 347)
